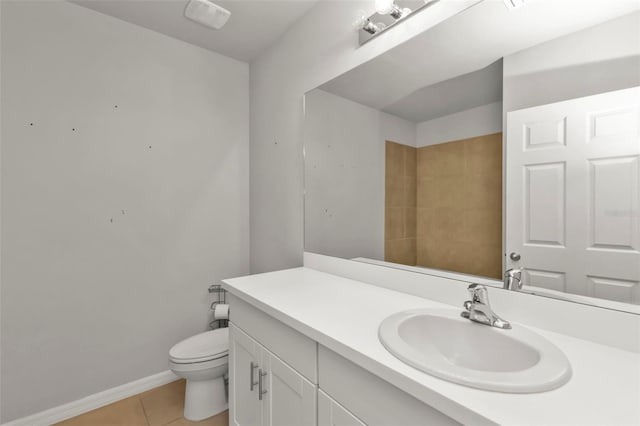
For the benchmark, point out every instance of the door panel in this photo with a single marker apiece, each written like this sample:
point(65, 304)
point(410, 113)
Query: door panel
point(613, 192)
point(551, 280)
point(545, 134)
point(545, 204)
point(614, 127)
point(620, 290)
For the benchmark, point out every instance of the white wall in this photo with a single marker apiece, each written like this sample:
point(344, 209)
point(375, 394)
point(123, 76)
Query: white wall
point(344, 144)
point(319, 47)
point(599, 59)
point(396, 129)
point(111, 233)
point(478, 121)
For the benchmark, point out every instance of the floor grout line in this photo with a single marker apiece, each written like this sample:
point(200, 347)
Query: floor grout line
point(144, 410)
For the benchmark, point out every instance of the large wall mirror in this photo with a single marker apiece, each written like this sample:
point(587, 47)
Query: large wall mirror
point(499, 139)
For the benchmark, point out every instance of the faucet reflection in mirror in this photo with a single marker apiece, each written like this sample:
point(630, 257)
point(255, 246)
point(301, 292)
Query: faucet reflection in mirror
point(513, 279)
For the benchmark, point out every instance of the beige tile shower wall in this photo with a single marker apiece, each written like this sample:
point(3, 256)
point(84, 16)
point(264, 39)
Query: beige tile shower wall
point(459, 206)
point(400, 204)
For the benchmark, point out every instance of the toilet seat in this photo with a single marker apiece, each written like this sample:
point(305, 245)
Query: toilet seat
point(203, 347)
point(182, 368)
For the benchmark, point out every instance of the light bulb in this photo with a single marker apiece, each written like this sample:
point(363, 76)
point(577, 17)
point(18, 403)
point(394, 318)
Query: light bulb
point(360, 21)
point(363, 23)
point(384, 7)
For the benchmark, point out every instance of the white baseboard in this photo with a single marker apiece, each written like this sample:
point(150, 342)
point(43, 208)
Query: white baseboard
point(97, 400)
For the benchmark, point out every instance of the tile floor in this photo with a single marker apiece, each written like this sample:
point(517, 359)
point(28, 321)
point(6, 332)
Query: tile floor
point(157, 407)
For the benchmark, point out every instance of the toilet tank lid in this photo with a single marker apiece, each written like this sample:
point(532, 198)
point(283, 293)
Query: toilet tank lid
point(202, 345)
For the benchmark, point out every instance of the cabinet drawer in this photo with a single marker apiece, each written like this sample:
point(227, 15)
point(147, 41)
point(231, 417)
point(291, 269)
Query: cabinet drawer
point(373, 400)
point(292, 347)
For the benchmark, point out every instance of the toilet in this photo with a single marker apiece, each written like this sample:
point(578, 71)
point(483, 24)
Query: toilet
point(203, 361)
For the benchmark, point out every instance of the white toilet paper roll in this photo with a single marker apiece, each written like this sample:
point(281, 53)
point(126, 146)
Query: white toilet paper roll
point(221, 311)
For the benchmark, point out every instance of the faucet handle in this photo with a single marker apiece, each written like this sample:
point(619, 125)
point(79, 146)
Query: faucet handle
point(478, 293)
point(514, 273)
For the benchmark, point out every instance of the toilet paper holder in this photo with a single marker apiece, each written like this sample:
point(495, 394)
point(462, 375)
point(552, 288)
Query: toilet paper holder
point(222, 299)
point(217, 288)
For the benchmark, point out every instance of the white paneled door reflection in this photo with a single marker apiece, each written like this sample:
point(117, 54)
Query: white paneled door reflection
point(572, 195)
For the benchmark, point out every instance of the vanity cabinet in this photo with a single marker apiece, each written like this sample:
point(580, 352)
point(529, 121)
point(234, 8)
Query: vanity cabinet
point(278, 376)
point(264, 390)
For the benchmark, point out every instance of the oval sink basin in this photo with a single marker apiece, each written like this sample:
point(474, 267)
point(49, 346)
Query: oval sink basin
point(443, 344)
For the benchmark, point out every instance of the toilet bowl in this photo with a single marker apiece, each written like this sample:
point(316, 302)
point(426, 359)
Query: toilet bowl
point(203, 361)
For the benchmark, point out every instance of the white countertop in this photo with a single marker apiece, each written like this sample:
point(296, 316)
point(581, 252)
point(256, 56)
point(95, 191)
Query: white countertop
point(344, 315)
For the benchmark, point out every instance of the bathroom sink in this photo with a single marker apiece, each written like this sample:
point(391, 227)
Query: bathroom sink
point(443, 344)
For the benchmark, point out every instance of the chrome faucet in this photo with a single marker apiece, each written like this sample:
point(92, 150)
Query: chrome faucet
point(513, 279)
point(478, 309)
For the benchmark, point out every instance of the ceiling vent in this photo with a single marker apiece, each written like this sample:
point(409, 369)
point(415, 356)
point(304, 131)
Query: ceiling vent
point(206, 13)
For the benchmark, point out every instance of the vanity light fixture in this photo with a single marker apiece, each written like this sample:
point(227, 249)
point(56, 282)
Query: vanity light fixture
point(388, 13)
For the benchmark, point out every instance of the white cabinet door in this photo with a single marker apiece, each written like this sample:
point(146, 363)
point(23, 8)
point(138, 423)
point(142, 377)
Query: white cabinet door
point(244, 356)
point(288, 399)
point(330, 413)
point(263, 390)
point(573, 195)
